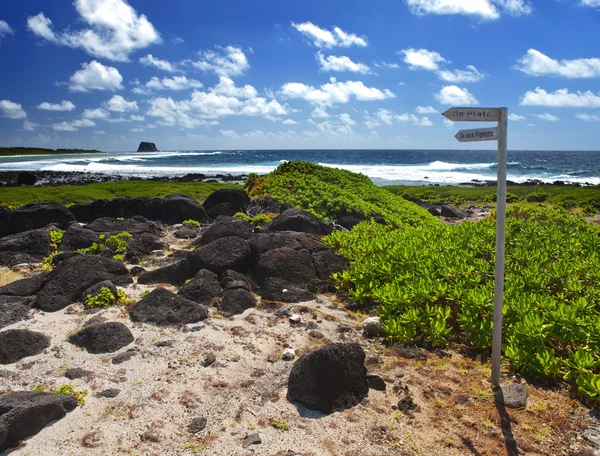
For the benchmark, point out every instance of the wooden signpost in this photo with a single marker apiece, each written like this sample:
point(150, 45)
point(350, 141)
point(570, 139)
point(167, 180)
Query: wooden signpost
point(499, 133)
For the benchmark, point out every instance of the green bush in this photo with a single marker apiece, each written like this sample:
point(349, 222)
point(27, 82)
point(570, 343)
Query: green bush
point(190, 222)
point(258, 220)
point(118, 243)
point(106, 298)
point(95, 249)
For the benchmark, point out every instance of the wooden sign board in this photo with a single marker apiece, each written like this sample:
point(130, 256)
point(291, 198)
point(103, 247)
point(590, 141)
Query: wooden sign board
point(472, 114)
point(478, 134)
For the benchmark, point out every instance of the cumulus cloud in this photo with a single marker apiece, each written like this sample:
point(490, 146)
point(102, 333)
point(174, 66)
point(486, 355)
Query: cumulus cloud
point(592, 3)
point(174, 83)
point(515, 117)
point(5, 29)
point(29, 126)
point(11, 110)
point(137, 118)
point(536, 63)
point(424, 59)
point(483, 9)
point(74, 125)
point(454, 95)
point(471, 74)
point(334, 92)
point(561, 98)
point(385, 65)
point(229, 61)
point(588, 117)
point(95, 76)
point(346, 119)
point(426, 110)
point(324, 38)
point(115, 29)
point(64, 105)
point(98, 113)
point(119, 104)
point(151, 61)
point(289, 122)
point(548, 117)
point(389, 118)
point(341, 63)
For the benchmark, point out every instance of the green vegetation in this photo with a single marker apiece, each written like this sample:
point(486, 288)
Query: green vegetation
point(106, 298)
point(70, 194)
point(95, 249)
point(117, 243)
point(56, 236)
point(8, 151)
point(559, 195)
point(65, 389)
point(258, 220)
point(190, 222)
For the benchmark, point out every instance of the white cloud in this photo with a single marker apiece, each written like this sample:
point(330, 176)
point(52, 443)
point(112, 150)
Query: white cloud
point(426, 110)
point(385, 65)
point(115, 29)
point(324, 38)
point(11, 110)
point(289, 122)
point(97, 113)
point(229, 133)
point(117, 120)
point(229, 61)
point(5, 29)
point(537, 64)
point(341, 63)
point(175, 83)
point(592, 3)
point(422, 59)
point(320, 112)
point(561, 98)
point(588, 117)
point(515, 117)
point(119, 104)
point(151, 61)
point(74, 125)
point(471, 74)
point(548, 117)
point(95, 76)
point(64, 105)
point(388, 117)
point(334, 92)
point(454, 95)
point(448, 123)
point(137, 118)
point(346, 119)
point(29, 126)
point(484, 9)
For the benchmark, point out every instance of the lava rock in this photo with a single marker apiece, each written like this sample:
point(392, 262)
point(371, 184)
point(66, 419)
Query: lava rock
point(222, 210)
point(147, 147)
point(376, 382)
point(236, 197)
point(260, 243)
point(38, 215)
point(103, 338)
point(179, 208)
point(5, 219)
point(220, 255)
point(23, 247)
point(224, 227)
point(236, 302)
point(108, 393)
point(94, 290)
point(13, 309)
point(165, 308)
point(186, 232)
point(125, 356)
point(76, 237)
point(70, 278)
point(298, 220)
point(74, 373)
point(110, 226)
point(328, 263)
point(16, 344)
point(174, 274)
point(512, 396)
point(230, 276)
point(452, 212)
point(197, 425)
point(329, 379)
point(24, 287)
point(143, 244)
point(350, 221)
point(252, 439)
point(25, 413)
point(261, 205)
point(295, 267)
point(203, 288)
point(372, 326)
point(275, 289)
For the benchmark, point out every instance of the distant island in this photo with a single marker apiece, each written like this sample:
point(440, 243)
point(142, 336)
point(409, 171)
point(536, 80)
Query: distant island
point(147, 147)
point(8, 151)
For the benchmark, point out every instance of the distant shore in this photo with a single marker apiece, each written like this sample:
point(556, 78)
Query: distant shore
point(27, 151)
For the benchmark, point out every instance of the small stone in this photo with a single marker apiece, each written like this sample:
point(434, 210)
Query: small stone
point(372, 326)
point(197, 425)
point(376, 382)
point(462, 399)
point(312, 325)
point(285, 311)
point(316, 335)
point(210, 360)
point(343, 329)
point(412, 353)
point(294, 319)
point(288, 354)
point(272, 359)
point(125, 356)
point(164, 343)
point(108, 393)
point(77, 372)
point(512, 396)
point(252, 439)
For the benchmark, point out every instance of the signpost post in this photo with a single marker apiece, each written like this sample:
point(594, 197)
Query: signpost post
point(499, 133)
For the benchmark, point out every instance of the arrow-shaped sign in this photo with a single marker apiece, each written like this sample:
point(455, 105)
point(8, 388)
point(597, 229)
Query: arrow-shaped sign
point(472, 114)
point(478, 134)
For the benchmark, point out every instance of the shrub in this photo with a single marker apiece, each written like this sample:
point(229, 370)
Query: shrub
point(190, 222)
point(118, 243)
point(258, 220)
point(106, 298)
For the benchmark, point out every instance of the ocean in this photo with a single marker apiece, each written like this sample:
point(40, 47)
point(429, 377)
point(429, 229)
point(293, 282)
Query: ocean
point(384, 167)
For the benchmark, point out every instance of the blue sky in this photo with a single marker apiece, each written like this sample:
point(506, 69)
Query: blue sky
point(236, 74)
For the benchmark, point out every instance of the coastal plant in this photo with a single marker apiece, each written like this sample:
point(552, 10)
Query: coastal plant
point(65, 389)
point(56, 236)
point(118, 243)
point(95, 249)
point(257, 221)
point(191, 222)
point(106, 298)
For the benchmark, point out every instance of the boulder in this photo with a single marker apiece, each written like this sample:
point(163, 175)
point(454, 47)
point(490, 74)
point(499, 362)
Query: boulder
point(203, 288)
point(5, 218)
point(294, 267)
point(349, 221)
point(66, 283)
point(178, 208)
point(24, 247)
point(147, 147)
point(165, 308)
point(262, 205)
point(331, 378)
point(26, 178)
point(230, 276)
point(174, 274)
point(82, 212)
point(76, 237)
point(95, 289)
point(298, 220)
point(222, 210)
point(263, 242)
point(74, 373)
point(38, 215)
point(103, 337)
point(127, 208)
point(224, 227)
point(434, 211)
point(13, 309)
point(513, 395)
point(236, 197)
point(143, 244)
point(452, 212)
point(327, 263)
point(110, 226)
point(236, 302)
point(16, 344)
point(25, 413)
point(275, 289)
point(186, 232)
point(226, 253)
point(24, 287)
point(372, 326)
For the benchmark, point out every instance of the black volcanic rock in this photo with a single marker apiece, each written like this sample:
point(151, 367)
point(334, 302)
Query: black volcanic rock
point(223, 227)
point(236, 302)
point(16, 344)
point(13, 309)
point(25, 246)
point(295, 267)
point(230, 252)
point(147, 147)
point(103, 338)
point(203, 288)
point(76, 237)
point(5, 218)
point(235, 197)
point(24, 287)
point(298, 220)
point(179, 208)
point(38, 215)
point(165, 308)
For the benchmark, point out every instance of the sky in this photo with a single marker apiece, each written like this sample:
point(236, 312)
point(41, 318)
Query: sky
point(237, 74)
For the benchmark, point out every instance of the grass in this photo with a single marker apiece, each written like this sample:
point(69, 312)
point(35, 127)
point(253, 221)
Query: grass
point(10, 151)
point(70, 194)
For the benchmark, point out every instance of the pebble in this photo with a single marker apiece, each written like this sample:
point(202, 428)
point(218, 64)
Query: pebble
point(210, 360)
point(108, 393)
point(312, 325)
point(295, 318)
point(288, 354)
point(376, 382)
point(372, 326)
point(252, 439)
point(197, 425)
